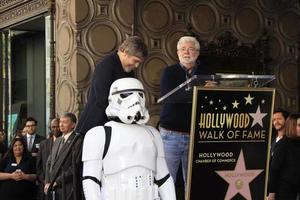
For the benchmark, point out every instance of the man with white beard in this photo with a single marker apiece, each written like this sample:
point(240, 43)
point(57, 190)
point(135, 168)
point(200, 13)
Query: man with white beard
point(175, 116)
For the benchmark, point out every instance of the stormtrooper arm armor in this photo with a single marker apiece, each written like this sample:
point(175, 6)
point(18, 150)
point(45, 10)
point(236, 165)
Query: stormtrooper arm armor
point(166, 187)
point(91, 180)
point(92, 152)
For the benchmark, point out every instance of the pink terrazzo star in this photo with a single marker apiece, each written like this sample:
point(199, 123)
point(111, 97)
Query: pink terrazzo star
point(239, 179)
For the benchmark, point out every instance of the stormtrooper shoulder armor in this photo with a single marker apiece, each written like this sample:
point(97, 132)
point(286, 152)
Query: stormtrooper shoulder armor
point(93, 145)
point(154, 131)
point(157, 140)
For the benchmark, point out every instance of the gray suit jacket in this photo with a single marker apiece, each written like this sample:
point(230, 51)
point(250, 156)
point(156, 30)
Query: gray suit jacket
point(69, 173)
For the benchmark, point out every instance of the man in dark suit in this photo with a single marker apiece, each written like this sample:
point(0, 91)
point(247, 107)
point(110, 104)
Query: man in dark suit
point(32, 139)
point(43, 154)
point(279, 117)
point(64, 166)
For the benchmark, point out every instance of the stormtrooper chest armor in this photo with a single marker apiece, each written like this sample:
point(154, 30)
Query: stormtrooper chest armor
point(130, 146)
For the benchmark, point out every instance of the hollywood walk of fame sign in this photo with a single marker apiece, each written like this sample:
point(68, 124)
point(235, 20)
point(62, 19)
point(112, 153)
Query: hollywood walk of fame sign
point(229, 143)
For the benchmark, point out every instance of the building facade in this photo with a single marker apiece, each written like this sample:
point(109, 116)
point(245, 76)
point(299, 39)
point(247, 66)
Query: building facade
point(49, 48)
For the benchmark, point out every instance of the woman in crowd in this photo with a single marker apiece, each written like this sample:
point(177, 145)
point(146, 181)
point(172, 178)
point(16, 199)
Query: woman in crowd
point(285, 165)
point(17, 173)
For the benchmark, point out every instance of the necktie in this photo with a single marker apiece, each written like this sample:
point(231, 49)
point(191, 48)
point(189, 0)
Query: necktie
point(30, 143)
point(61, 145)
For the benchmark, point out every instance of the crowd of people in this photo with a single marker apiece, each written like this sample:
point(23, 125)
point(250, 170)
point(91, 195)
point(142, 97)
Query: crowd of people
point(284, 177)
point(69, 163)
point(32, 161)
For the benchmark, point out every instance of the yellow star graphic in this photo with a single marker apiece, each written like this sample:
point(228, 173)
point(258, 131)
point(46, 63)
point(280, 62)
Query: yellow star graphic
point(235, 104)
point(248, 99)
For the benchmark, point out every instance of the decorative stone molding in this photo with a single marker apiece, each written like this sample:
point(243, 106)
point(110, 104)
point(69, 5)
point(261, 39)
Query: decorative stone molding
point(8, 4)
point(23, 11)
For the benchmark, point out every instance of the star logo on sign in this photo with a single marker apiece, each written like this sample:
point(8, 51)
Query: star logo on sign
point(239, 179)
point(257, 117)
point(248, 99)
point(235, 104)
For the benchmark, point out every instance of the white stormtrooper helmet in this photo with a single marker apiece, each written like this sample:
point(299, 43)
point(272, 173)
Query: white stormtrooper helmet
point(127, 101)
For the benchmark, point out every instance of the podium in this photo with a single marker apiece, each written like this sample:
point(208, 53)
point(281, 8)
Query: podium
point(230, 135)
point(223, 80)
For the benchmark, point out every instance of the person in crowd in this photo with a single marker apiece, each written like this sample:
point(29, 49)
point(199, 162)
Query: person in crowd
point(43, 153)
point(118, 64)
point(125, 157)
point(64, 166)
point(279, 117)
point(17, 173)
point(285, 165)
point(3, 148)
point(32, 138)
point(175, 116)
point(23, 131)
point(19, 133)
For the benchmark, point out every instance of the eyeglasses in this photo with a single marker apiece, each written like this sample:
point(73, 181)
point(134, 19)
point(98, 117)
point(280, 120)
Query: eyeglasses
point(188, 49)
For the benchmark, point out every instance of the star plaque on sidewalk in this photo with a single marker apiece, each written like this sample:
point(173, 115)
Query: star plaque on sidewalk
point(239, 179)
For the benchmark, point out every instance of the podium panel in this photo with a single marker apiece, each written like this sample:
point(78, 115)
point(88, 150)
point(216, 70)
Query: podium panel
point(222, 80)
point(229, 143)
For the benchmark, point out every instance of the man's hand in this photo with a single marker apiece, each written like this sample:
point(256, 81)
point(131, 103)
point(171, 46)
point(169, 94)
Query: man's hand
point(271, 196)
point(46, 188)
point(210, 84)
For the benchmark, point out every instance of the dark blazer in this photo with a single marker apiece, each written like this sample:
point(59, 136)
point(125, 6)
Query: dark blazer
point(36, 142)
point(106, 72)
point(3, 149)
point(284, 169)
point(42, 157)
point(273, 141)
point(69, 173)
point(41, 161)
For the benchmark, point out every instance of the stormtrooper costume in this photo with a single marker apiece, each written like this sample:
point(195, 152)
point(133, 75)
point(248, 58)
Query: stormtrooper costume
point(127, 162)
